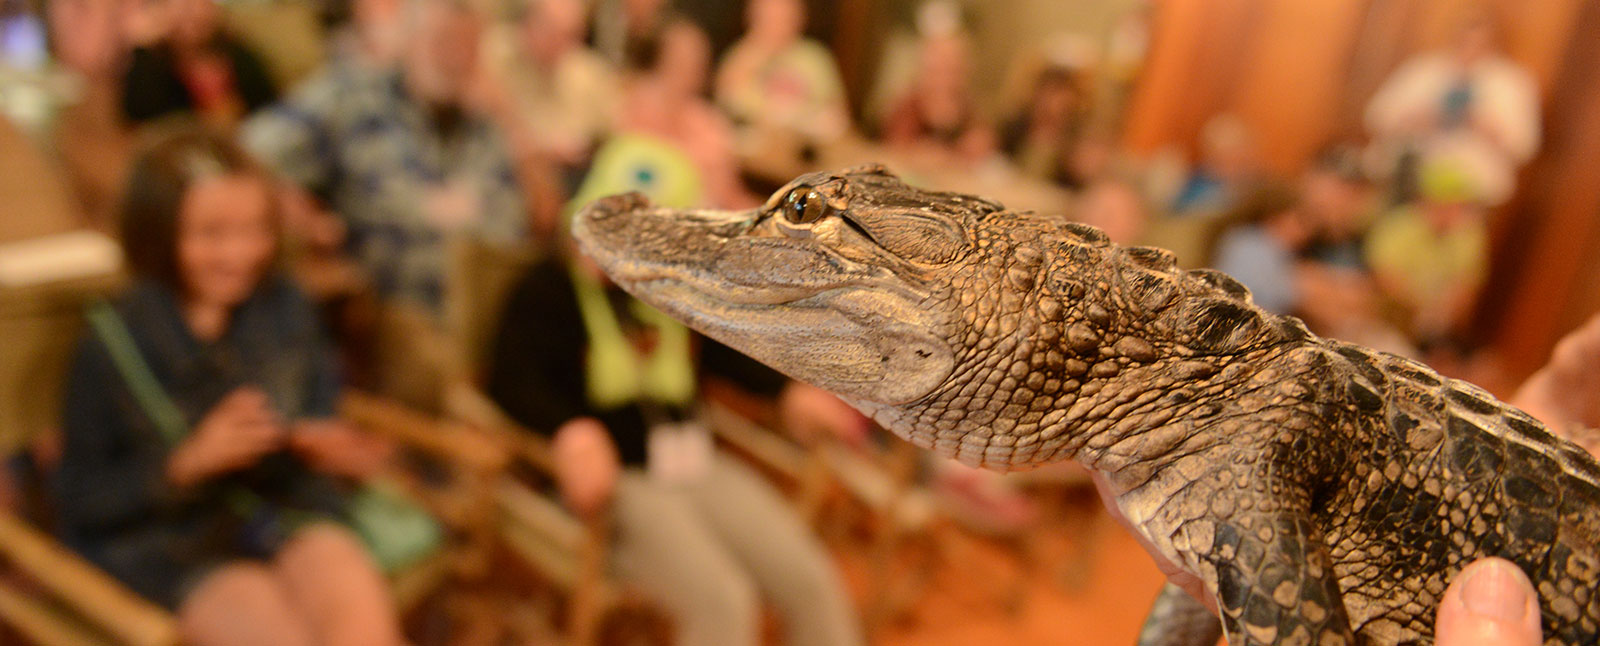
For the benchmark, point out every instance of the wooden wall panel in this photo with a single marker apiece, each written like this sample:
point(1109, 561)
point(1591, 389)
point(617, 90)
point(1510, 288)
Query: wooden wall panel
point(1290, 85)
point(1546, 277)
point(1302, 71)
point(1198, 48)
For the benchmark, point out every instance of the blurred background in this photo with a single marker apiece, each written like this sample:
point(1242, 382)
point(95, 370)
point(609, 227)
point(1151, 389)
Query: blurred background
point(1412, 175)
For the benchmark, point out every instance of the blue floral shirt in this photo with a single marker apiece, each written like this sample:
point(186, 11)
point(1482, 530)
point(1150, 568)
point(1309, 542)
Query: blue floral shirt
point(355, 138)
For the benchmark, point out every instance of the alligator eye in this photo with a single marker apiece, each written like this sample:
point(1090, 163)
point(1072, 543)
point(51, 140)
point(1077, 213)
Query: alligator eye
point(805, 205)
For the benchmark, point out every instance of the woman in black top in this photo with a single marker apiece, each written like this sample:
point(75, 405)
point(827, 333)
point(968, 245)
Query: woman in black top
point(206, 480)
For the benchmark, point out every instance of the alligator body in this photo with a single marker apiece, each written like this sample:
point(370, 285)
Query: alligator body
point(1315, 491)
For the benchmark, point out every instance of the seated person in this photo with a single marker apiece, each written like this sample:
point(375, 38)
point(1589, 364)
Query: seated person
point(1431, 257)
point(406, 163)
point(1115, 207)
point(565, 93)
point(1338, 296)
point(938, 113)
point(88, 134)
point(1337, 196)
point(612, 381)
point(620, 25)
point(776, 79)
point(1259, 246)
point(200, 454)
point(195, 68)
point(1042, 137)
point(663, 97)
point(1227, 173)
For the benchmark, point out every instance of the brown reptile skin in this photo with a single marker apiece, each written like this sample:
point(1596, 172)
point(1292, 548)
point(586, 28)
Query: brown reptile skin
point(1322, 492)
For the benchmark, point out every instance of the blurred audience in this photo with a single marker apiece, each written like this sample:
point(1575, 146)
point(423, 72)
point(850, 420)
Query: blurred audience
point(776, 79)
point(1431, 257)
point(194, 67)
point(1229, 167)
point(612, 381)
point(937, 114)
point(1115, 207)
point(1259, 245)
point(1043, 137)
point(620, 25)
point(369, 33)
point(200, 452)
point(663, 97)
point(1469, 104)
point(89, 134)
point(566, 94)
point(406, 160)
point(215, 496)
point(403, 158)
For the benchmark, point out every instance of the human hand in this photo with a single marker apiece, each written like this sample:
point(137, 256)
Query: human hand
point(336, 448)
point(233, 435)
point(86, 36)
point(587, 466)
point(810, 413)
point(317, 228)
point(1490, 603)
point(1565, 393)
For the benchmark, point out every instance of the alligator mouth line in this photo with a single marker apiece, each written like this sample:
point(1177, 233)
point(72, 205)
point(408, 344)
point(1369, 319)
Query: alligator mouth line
point(658, 282)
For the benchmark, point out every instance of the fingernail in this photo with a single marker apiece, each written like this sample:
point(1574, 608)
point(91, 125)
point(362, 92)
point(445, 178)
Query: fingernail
point(1495, 590)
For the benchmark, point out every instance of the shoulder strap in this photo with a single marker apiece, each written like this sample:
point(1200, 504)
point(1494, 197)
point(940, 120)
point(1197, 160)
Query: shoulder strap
point(109, 327)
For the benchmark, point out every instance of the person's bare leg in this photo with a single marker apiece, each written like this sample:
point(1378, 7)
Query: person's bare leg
point(242, 605)
point(330, 576)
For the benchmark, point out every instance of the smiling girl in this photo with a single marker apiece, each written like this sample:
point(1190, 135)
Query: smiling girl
point(205, 480)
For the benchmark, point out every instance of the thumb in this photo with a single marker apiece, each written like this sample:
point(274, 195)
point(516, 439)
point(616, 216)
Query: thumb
point(1490, 603)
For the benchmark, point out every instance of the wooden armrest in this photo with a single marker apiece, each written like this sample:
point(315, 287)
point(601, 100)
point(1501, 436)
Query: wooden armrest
point(522, 505)
point(910, 507)
point(91, 592)
point(469, 404)
point(869, 484)
point(772, 450)
point(570, 552)
point(454, 442)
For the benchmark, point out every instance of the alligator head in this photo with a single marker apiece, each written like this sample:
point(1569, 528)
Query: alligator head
point(961, 326)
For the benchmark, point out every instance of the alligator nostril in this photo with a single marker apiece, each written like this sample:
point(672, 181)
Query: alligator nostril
point(614, 205)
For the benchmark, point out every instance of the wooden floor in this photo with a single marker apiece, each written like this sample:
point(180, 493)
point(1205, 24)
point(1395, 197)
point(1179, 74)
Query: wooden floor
point(981, 595)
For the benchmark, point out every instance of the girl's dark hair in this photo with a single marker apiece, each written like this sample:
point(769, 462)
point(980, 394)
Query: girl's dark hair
point(162, 174)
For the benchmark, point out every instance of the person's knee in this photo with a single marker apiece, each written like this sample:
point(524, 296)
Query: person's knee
point(333, 576)
point(323, 546)
point(732, 603)
point(237, 603)
point(815, 581)
point(236, 586)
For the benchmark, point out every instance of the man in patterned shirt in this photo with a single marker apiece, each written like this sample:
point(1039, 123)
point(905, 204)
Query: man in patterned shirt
point(407, 160)
point(403, 158)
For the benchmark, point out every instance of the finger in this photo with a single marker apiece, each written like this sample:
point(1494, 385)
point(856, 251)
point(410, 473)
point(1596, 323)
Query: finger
point(1490, 603)
point(260, 438)
point(245, 397)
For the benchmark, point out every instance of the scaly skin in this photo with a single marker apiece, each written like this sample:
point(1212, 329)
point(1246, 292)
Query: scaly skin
point(1319, 492)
